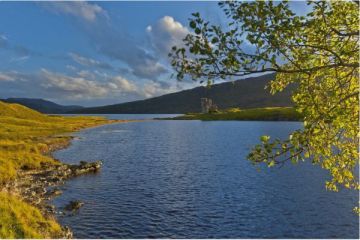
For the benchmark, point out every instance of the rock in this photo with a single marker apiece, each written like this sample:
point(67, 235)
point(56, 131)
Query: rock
point(40, 190)
point(85, 167)
point(54, 179)
point(83, 163)
point(50, 208)
point(38, 186)
point(54, 192)
point(67, 232)
point(60, 213)
point(74, 205)
point(57, 192)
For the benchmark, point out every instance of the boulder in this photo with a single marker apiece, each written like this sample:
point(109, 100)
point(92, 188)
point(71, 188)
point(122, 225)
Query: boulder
point(74, 205)
point(85, 167)
point(54, 192)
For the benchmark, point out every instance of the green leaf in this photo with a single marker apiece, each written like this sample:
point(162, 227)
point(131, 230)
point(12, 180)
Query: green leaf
point(265, 138)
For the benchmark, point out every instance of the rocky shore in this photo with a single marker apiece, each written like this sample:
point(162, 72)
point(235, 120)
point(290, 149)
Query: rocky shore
point(30, 177)
point(39, 186)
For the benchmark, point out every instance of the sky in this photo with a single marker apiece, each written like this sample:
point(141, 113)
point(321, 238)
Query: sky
point(94, 53)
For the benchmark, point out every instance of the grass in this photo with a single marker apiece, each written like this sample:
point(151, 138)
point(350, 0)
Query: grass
point(253, 114)
point(26, 139)
point(26, 136)
point(21, 220)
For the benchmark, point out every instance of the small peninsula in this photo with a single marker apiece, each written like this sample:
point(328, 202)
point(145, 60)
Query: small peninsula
point(252, 114)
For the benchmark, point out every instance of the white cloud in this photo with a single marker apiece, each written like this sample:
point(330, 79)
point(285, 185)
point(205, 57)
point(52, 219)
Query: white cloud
point(88, 62)
point(72, 87)
point(85, 86)
point(123, 84)
point(165, 34)
point(80, 9)
point(12, 76)
point(6, 77)
point(19, 59)
point(149, 69)
point(3, 41)
point(71, 67)
point(155, 88)
point(82, 86)
point(86, 74)
point(110, 40)
point(22, 53)
point(118, 46)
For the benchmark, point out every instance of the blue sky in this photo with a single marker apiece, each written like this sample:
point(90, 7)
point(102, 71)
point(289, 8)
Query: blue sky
point(93, 53)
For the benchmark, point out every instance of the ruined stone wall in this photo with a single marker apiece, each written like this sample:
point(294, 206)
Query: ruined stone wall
point(206, 104)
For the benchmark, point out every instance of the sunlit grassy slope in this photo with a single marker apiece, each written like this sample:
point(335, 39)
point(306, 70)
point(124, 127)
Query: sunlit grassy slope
point(26, 136)
point(253, 114)
point(20, 220)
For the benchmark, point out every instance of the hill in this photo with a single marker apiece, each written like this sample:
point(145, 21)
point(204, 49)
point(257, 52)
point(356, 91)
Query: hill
point(23, 130)
point(246, 93)
point(19, 111)
point(42, 105)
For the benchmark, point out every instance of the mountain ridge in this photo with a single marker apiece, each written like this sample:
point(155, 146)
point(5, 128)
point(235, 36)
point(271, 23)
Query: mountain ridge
point(244, 93)
point(42, 105)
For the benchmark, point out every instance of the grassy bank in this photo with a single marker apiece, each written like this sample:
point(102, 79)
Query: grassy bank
point(21, 220)
point(253, 114)
point(26, 139)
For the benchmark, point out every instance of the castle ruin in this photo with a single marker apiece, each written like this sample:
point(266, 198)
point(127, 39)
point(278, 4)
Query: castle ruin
point(207, 105)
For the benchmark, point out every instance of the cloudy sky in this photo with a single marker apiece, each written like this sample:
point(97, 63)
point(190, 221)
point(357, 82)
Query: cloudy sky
point(92, 53)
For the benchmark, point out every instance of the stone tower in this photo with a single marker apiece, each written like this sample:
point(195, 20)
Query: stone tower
point(206, 104)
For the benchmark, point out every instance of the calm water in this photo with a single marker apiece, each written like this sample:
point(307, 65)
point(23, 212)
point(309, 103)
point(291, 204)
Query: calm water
point(191, 179)
point(127, 116)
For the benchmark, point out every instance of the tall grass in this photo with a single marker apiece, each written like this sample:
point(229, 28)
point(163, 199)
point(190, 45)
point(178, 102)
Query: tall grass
point(26, 138)
point(21, 220)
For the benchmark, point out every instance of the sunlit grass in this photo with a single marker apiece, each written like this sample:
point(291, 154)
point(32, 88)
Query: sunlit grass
point(26, 138)
point(21, 220)
point(263, 114)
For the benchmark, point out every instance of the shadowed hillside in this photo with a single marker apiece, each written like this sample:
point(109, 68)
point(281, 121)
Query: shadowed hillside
point(246, 93)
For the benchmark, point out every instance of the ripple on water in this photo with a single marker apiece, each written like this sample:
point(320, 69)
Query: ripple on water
point(190, 179)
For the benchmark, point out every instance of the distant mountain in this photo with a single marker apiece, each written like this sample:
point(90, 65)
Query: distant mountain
point(42, 105)
point(245, 93)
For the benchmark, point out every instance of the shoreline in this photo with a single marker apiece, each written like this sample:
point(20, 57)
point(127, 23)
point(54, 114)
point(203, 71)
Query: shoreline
point(38, 187)
point(251, 114)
